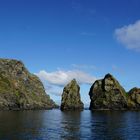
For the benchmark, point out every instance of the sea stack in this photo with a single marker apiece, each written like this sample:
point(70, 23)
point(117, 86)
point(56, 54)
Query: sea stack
point(107, 94)
point(134, 98)
point(71, 99)
point(21, 90)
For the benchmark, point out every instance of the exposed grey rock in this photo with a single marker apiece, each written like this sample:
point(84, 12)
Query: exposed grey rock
point(71, 97)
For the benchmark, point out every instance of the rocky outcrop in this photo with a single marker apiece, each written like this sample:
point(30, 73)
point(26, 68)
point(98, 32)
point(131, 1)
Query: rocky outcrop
point(71, 97)
point(20, 89)
point(134, 98)
point(107, 93)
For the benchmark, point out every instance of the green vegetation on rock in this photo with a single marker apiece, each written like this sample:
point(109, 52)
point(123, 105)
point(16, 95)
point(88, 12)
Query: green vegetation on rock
point(20, 89)
point(71, 97)
point(107, 93)
point(134, 98)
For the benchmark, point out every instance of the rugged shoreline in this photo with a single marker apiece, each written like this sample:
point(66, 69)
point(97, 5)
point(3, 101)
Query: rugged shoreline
point(21, 90)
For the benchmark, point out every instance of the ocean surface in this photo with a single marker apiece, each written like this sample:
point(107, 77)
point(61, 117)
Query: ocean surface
point(74, 125)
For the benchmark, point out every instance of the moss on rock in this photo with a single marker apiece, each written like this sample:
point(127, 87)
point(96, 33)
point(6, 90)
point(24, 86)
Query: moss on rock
point(19, 89)
point(107, 93)
point(71, 97)
point(134, 98)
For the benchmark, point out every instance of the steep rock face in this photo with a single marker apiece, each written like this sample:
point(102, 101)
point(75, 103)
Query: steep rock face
point(134, 98)
point(20, 89)
point(107, 93)
point(71, 97)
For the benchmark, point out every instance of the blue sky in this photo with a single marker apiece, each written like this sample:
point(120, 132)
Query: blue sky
point(63, 39)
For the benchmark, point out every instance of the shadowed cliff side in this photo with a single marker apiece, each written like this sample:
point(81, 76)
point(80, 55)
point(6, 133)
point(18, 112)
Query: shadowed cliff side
point(107, 93)
point(134, 98)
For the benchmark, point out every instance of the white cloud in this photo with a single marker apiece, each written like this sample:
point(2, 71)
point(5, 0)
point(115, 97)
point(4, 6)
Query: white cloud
point(54, 82)
point(129, 36)
point(53, 90)
point(61, 78)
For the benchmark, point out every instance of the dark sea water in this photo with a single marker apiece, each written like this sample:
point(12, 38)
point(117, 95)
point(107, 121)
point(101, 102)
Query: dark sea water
point(57, 125)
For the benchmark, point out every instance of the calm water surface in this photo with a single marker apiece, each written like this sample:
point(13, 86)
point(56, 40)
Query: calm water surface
point(57, 125)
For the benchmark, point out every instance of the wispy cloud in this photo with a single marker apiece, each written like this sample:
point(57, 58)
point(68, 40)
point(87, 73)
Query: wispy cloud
point(53, 89)
point(129, 36)
point(61, 78)
point(84, 67)
point(76, 5)
point(87, 34)
point(117, 69)
point(80, 7)
point(55, 81)
point(91, 11)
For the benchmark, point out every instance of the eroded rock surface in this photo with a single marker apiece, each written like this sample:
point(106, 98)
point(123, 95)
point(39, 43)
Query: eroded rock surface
point(20, 89)
point(71, 97)
point(107, 93)
point(134, 98)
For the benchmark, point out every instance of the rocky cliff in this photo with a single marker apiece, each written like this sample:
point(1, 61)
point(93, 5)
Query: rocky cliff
point(20, 89)
point(71, 97)
point(107, 93)
point(134, 98)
